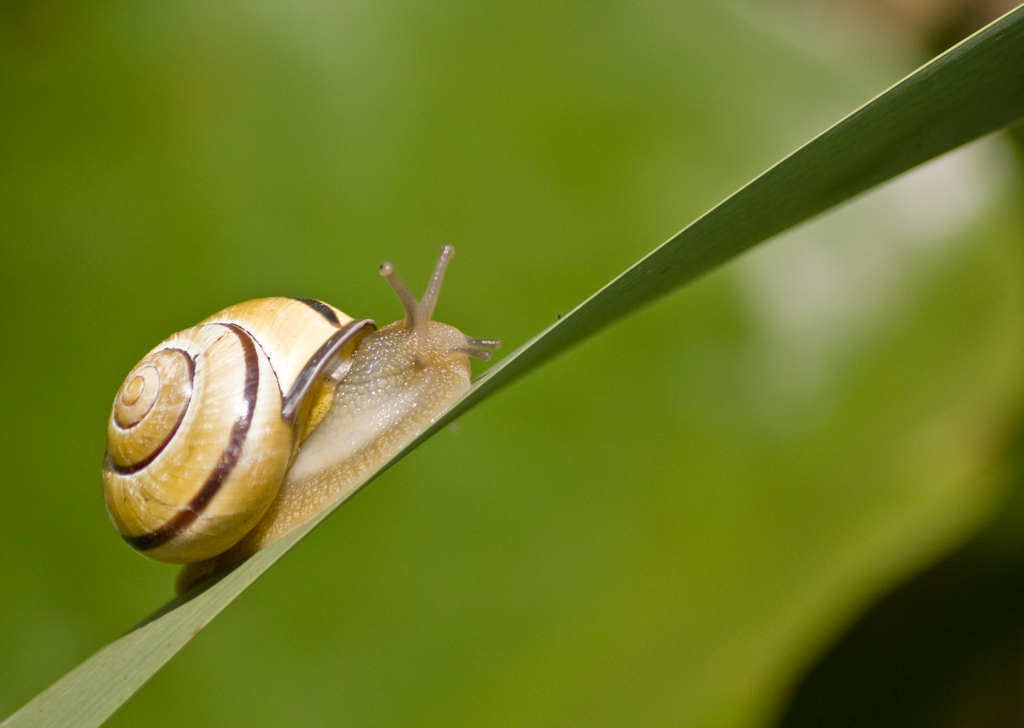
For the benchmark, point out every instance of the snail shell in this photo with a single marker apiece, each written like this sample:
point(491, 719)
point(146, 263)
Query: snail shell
point(231, 434)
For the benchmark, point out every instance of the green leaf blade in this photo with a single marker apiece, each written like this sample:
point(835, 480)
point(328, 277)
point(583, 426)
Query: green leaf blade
point(971, 90)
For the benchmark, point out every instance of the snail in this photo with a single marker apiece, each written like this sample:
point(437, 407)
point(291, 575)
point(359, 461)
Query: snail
point(231, 434)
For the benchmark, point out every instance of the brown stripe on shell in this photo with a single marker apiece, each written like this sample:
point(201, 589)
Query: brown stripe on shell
point(228, 459)
point(321, 308)
point(140, 464)
point(318, 363)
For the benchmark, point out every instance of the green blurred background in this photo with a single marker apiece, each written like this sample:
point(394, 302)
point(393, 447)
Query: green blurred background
point(672, 524)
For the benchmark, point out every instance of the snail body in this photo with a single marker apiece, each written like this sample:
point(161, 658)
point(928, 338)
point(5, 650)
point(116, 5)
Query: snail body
point(231, 434)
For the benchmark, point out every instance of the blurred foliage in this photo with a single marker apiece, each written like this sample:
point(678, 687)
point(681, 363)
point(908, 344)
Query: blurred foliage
point(939, 23)
point(944, 649)
point(668, 524)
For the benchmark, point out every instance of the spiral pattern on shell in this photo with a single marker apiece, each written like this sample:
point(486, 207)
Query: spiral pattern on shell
point(205, 426)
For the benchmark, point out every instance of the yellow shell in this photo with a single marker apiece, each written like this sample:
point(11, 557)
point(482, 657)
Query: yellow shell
point(198, 440)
